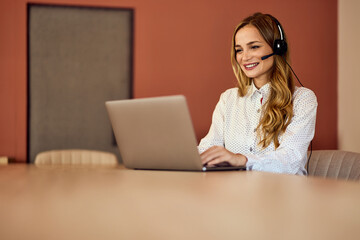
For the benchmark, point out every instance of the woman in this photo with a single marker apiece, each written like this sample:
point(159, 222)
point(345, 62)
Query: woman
point(266, 123)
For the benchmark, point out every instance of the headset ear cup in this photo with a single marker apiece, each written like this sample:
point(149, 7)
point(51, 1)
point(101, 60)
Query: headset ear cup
point(280, 47)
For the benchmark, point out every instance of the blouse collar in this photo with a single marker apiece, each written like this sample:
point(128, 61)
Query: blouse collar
point(264, 91)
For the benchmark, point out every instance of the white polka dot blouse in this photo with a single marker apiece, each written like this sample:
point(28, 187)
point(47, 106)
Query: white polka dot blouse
point(236, 118)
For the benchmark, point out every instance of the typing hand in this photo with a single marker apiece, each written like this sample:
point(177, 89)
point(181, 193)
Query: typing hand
point(218, 155)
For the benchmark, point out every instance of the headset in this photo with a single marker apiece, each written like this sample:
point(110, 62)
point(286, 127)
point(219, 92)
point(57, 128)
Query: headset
point(280, 45)
point(280, 49)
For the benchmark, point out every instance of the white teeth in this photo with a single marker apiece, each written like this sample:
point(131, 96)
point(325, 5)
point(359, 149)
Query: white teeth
point(251, 65)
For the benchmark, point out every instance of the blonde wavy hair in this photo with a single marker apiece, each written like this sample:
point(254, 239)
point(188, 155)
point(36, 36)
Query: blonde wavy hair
point(278, 110)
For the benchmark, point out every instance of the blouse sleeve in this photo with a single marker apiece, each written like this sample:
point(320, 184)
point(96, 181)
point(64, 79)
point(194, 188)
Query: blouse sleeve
point(215, 136)
point(291, 155)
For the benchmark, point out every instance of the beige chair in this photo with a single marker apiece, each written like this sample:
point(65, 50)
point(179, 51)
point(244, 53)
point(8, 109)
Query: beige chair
point(75, 157)
point(335, 164)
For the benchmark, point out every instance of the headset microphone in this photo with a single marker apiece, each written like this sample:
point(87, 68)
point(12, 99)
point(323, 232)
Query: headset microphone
point(267, 56)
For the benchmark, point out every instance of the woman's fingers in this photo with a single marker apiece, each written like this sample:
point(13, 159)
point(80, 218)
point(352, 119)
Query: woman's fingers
point(209, 154)
point(218, 154)
point(214, 155)
point(218, 162)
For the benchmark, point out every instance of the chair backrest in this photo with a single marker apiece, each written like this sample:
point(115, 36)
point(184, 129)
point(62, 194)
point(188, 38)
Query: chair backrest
point(75, 157)
point(335, 164)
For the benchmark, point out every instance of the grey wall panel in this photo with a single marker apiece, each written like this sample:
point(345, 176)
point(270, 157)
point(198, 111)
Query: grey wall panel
point(78, 59)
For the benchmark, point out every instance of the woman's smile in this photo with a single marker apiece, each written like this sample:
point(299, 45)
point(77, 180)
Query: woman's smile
point(250, 66)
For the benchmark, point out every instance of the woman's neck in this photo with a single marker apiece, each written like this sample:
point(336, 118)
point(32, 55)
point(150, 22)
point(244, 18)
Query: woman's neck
point(260, 82)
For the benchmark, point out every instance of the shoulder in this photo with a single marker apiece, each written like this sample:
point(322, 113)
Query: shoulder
point(230, 94)
point(304, 95)
point(227, 98)
point(304, 100)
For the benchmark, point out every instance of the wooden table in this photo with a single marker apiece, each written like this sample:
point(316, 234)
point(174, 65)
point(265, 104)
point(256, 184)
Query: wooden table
point(57, 202)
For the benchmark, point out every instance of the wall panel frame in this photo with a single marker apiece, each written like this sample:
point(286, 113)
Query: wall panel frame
point(78, 58)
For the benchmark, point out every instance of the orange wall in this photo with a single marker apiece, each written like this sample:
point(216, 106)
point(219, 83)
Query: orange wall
point(182, 47)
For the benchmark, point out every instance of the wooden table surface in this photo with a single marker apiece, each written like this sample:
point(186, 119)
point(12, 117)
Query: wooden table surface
point(57, 202)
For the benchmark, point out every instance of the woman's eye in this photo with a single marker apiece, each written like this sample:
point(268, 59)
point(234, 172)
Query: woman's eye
point(255, 47)
point(237, 51)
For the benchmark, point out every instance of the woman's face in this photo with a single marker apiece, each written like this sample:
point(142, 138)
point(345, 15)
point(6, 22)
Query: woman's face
point(250, 46)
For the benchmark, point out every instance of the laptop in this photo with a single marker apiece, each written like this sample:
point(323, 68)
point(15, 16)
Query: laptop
point(156, 134)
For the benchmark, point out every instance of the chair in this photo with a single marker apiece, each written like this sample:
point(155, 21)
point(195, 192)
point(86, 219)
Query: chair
point(4, 160)
point(335, 164)
point(75, 157)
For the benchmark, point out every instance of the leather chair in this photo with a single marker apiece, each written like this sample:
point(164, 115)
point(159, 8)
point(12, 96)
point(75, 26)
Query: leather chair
point(335, 164)
point(75, 157)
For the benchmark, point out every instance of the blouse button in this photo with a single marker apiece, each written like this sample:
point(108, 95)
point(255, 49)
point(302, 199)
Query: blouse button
point(251, 149)
point(258, 110)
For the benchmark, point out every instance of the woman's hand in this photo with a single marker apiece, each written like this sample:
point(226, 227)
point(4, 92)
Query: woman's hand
point(217, 155)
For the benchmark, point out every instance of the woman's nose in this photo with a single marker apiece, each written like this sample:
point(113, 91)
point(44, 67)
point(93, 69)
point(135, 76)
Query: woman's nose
point(246, 55)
